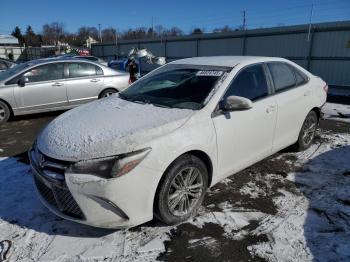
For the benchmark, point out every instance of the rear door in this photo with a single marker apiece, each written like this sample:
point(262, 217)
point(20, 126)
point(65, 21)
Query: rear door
point(292, 95)
point(85, 82)
point(44, 88)
point(245, 137)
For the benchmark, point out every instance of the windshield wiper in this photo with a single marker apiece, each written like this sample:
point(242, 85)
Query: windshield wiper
point(160, 105)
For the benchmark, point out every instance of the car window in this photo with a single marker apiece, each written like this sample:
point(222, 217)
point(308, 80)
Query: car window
point(299, 76)
point(249, 83)
point(83, 69)
point(47, 72)
point(282, 76)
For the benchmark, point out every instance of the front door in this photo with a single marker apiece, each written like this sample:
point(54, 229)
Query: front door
point(244, 137)
point(44, 88)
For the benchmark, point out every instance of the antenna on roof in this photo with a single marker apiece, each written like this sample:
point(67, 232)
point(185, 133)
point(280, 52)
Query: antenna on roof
point(310, 22)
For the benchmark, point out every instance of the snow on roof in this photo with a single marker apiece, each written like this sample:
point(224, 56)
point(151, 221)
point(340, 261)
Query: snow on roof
point(8, 39)
point(225, 60)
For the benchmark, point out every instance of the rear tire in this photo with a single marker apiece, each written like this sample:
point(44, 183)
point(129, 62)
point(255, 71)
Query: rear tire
point(5, 112)
point(108, 92)
point(181, 190)
point(307, 132)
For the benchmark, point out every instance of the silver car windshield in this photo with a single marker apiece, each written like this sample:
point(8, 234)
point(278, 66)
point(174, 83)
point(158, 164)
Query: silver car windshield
point(14, 70)
point(176, 86)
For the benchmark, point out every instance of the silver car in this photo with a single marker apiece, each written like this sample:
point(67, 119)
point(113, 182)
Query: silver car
point(55, 84)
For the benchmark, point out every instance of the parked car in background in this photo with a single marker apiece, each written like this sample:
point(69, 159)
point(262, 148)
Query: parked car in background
point(155, 148)
point(88, 57)
point(93, 58)
point(6, 64)
point(55, 84)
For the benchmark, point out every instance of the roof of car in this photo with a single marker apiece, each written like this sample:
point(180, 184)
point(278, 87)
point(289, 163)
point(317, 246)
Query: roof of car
point(229, 61)
point(57, 59)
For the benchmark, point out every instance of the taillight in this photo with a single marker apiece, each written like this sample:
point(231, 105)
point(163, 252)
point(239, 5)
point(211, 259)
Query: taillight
point(325, 88)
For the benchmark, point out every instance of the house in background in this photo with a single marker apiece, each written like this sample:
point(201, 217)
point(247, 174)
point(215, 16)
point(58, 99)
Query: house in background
point(90, 41)
point(8, 40)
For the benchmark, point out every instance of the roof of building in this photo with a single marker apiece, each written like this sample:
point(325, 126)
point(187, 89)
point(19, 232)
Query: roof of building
point(8, 39)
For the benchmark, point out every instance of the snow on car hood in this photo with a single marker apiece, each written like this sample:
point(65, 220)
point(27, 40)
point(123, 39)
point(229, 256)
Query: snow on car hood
point(107, 127)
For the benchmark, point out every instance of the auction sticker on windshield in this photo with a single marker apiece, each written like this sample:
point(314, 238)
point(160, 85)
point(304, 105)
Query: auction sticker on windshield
point(209, 73)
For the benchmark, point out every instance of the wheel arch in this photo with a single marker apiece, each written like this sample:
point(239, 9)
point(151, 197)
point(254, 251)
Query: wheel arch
point(106, 88)
point(202, 156)
point(318, 112)
point(198, 153)
point(9, 106)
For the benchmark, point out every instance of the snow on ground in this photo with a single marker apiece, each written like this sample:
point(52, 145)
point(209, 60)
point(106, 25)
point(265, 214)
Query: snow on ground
point(337, 112)
point(311, 220)
point(313, 223)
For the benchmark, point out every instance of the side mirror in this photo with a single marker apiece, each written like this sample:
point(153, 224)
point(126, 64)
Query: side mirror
point(22, 81)
point(233, 103)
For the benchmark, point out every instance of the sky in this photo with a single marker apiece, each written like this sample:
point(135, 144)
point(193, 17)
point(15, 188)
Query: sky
point(184, 14)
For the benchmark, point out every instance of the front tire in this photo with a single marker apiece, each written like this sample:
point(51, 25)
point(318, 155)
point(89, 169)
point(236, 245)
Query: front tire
point(108, 92)
point(307, 132)
point(182, 190)
point(5, 112)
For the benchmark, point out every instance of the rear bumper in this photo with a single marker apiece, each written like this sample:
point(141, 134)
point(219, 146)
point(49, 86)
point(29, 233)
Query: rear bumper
point(108, 203)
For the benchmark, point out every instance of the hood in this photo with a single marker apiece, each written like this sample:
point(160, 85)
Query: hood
point(107, 127)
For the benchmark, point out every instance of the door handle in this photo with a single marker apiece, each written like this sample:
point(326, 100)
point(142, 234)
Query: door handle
point(270, 109)
point(94, 80)
point(57, 84)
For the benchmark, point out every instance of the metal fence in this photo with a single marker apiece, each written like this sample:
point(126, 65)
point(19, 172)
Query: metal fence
point(21, 54)
point(325, 52)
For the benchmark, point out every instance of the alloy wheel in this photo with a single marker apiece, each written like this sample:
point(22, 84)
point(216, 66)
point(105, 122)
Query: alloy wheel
point(309, 129)
point(185, 191)
point(107, 94)
point(2, 113)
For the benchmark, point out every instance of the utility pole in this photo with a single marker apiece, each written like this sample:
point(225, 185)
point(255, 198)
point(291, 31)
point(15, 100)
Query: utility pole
point(244, 20)
point(310, 21)
point(99, 32)
point(116, 42)
point(152, 28)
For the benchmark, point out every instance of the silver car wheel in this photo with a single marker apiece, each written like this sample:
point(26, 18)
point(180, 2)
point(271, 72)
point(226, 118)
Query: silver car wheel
point(107, 94)
point(2, 113)
point(185, 191)
point(309, 129)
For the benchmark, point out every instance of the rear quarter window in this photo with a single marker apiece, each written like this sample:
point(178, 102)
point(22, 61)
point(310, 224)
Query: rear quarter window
point(282, 76)
point(300, 77)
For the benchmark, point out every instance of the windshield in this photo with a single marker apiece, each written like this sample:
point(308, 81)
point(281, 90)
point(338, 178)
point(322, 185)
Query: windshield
point(179, 86)
point(14, 70)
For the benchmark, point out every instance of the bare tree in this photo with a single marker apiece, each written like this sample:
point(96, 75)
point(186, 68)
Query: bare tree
point(137, 33)
point(53, 33)
point(85, 32)
point(109, 34)
point(174, 31)
point(224, 29)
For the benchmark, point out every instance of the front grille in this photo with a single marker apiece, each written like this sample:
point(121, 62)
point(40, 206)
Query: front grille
point(45, 192)
point(59, 198)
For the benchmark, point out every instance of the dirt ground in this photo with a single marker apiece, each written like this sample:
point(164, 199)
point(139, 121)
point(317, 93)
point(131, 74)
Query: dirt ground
point(253, 195)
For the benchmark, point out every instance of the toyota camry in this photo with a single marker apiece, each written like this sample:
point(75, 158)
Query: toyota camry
point(155, 148)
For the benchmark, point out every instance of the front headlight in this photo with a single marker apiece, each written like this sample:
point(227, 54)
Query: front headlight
point(110, 167)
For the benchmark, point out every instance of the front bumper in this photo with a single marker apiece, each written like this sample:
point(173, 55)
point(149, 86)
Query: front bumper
point(122, 202)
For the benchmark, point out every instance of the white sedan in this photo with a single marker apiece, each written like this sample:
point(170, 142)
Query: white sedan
point(155, 148)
